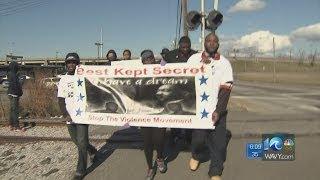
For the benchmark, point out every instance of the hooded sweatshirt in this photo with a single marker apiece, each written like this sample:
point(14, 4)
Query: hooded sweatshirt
point(14, 88)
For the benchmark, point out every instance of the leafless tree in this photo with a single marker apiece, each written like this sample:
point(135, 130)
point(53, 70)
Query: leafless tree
point(313, 58)
point(301, 56)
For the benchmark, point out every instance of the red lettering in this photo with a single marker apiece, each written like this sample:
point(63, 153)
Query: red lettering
point(128, 72)
point(137, 72)
point(98, 72)
point(89, 72)
point(186, 70)
point(167, 71)
point(177, 71)
point(145, 71)
point(118, 71)
point(202, 69)
point(194, 70)
point(80, 71)
point(156, 70)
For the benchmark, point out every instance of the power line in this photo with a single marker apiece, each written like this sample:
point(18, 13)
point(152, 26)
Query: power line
point(20, 9)
point(18, 4)
point(177, 22)
point(180, 21)
point(8, 2)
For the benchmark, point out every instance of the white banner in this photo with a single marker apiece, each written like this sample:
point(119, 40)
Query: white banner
point(174, 95)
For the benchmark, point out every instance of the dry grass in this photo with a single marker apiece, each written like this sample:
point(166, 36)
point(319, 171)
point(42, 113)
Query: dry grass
point(4, 108)
point(267, 66)
point(39, 100)
point(311, 78)
point(285, 72)
point(241, 105)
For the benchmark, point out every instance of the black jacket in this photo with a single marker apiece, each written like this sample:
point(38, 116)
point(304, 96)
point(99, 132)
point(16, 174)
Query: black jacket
point(175, 56)
point(14, 84)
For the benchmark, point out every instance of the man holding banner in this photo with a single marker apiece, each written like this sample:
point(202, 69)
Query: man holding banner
point(78, 132)
point(153, 136)
point(216, 140)
point(180, 55)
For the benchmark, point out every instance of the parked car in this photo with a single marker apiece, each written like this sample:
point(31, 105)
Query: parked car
point(23, 78)
point(51, 81)
point(5, 83)
point(3, 74)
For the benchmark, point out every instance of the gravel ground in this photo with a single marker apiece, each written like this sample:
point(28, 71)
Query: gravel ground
point(58, 131)
point(42, 160)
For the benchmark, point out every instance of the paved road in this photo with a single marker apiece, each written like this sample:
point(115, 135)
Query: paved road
point(128, 163)
point(275, 108)
point(268, 108)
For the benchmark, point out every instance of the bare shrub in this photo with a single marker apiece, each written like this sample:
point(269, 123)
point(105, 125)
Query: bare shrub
point(39, 100)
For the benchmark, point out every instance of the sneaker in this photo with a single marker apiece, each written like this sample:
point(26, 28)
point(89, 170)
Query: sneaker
point(94, 155)
point(11, 128)
point(150, 174)
point(78, 176)
point(19, 129)
point(216, 178)
point(161, 165)
point(193, 164)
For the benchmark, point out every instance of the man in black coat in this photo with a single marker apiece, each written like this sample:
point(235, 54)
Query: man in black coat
point(14, 93)
point(181, 54)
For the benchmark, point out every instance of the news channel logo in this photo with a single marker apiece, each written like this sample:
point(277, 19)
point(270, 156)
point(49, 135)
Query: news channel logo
point(274, 147)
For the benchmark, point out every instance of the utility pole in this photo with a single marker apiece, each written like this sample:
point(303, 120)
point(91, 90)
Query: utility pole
point(184, 5)
point(274, 61)
point(12, 48)
point(215, 6)
point(290, 54)
point(203, 24)
point(101, 42)
point(57, 52)
point(99, 45)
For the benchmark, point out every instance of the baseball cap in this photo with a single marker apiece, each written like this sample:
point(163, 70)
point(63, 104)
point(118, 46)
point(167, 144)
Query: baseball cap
point(164, 51)
point(146, 54)
point(72, 57)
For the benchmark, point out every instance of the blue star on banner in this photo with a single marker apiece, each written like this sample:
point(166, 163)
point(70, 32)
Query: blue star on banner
point(204, 114)
point(79, 82)
point(80, 97)
point(78, 112)
point(204, 97)
point(203, 80)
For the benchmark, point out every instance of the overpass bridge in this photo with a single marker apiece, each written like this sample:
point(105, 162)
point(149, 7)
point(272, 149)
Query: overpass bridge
point(48, 66)
point(51, 61)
